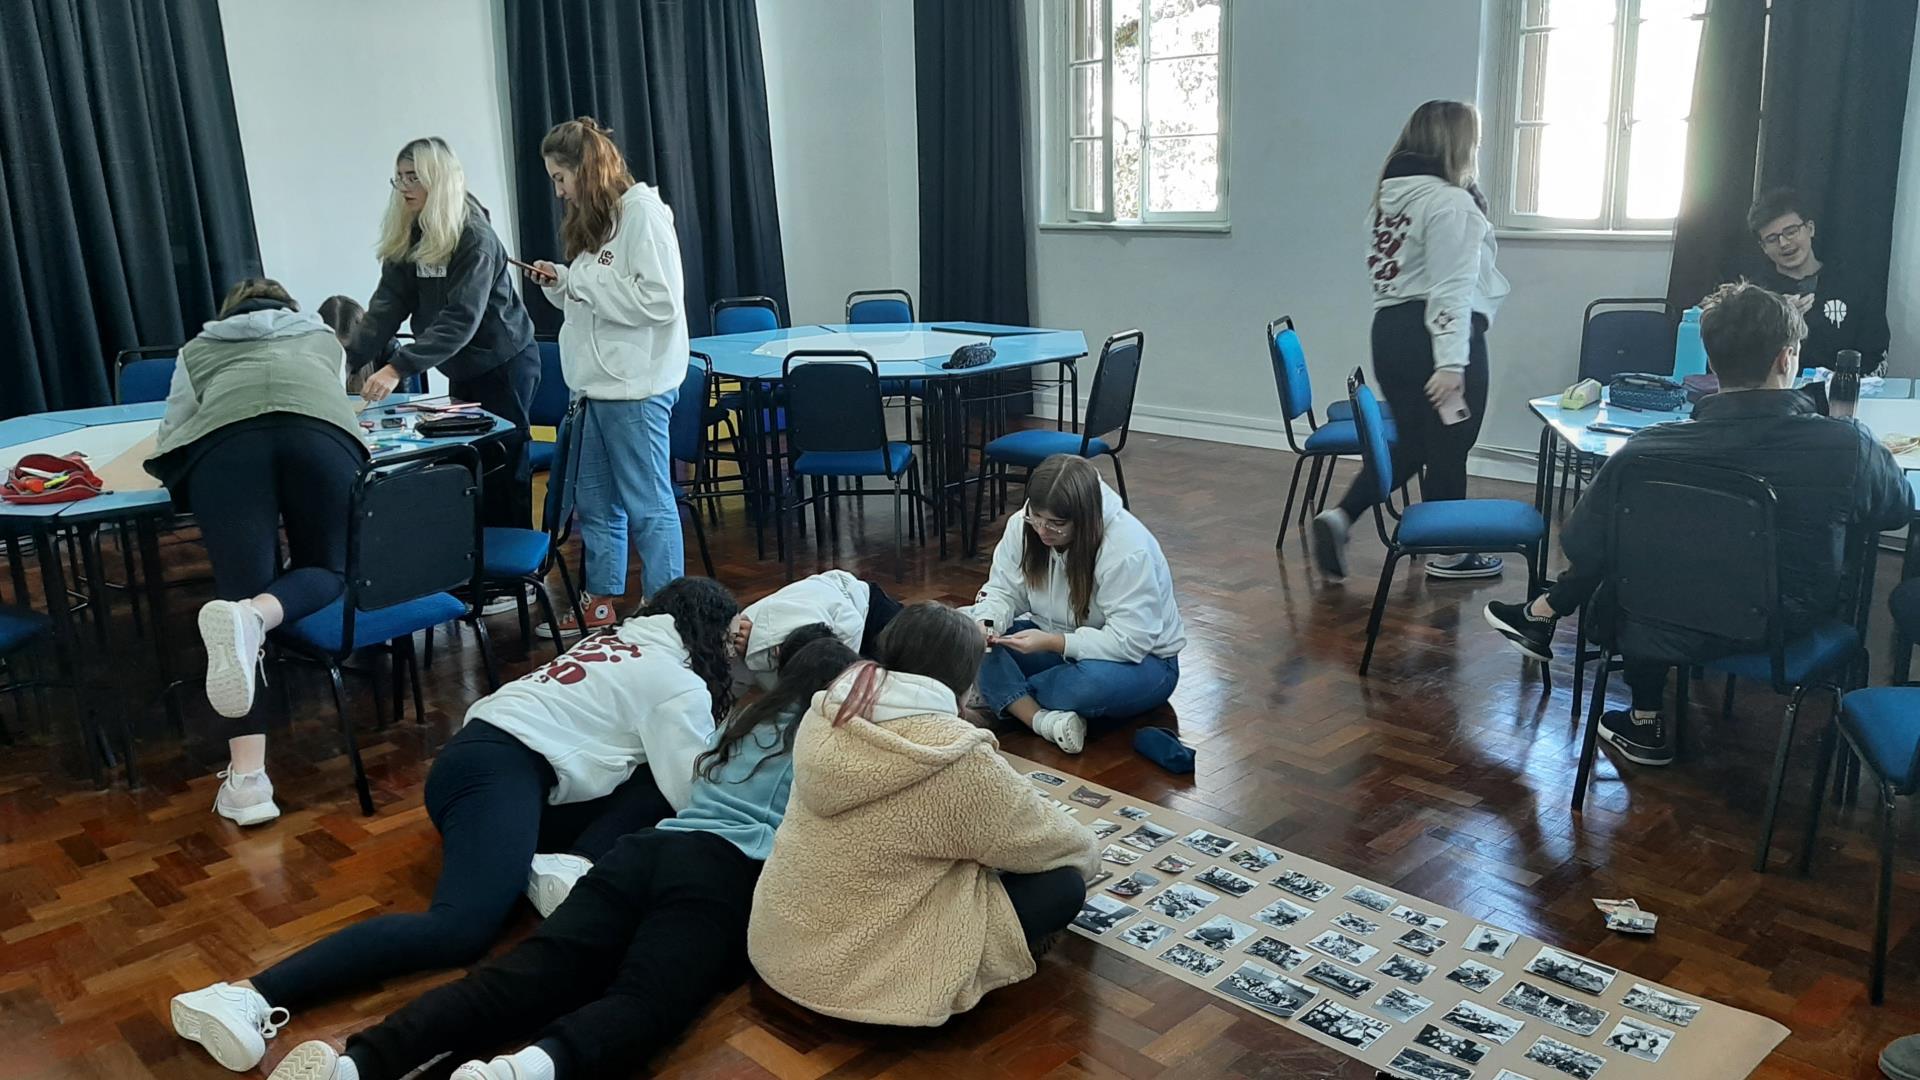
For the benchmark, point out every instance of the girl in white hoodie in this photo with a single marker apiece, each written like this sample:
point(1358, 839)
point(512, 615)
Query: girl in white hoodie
point(623, 348)
point(1098, 633)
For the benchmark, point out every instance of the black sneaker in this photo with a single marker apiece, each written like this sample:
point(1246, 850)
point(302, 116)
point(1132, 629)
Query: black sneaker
point(1465, 566)
point(1643, 742)
point(1533, 637)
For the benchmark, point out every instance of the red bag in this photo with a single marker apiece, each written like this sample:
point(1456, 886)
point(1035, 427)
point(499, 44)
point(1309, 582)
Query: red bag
point(44, 478)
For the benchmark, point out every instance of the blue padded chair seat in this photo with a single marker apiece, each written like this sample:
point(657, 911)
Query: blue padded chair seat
point(20, 625)
point(1030, 448)
point(854, 462)
point(1884, 722)
point(1812, 654)
point(540, 455)
point(320, 631)
point(1489, 524)
point(903, 387)
point(1339, 437)
point(1343, 410)
point(515, 552)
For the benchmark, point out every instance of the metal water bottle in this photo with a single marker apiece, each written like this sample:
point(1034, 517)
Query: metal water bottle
point(1843, 390)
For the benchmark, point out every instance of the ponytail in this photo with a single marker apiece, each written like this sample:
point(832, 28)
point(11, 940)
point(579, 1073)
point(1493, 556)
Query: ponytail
point(861, 696)
point(601, 177)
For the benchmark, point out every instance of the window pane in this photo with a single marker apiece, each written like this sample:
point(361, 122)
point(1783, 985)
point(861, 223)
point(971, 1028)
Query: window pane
point(1663, 64)
point(1127, 158)
point(1183, 96)
point(1086, 176)
point(1184, 174)
point(1182, 27)
point(1656, 161)
point(1128, 123)
point(1086, 43)
point(1566, 75)
point(1086, 100)
point(1671, 9)
point(1559, 170)
point(1587, 13)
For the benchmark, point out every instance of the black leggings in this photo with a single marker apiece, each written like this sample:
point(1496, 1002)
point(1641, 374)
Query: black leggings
point(1045, 902)
point(506, 495)
point(1402, 364)
point(881, 609)
point(656, 931)
point(487, 794)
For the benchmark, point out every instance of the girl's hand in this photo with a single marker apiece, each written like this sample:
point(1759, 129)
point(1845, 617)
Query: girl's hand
point(1033, 641)
point(1445, 383)
point(737, 635)
point(543, 273)
point(380, 384)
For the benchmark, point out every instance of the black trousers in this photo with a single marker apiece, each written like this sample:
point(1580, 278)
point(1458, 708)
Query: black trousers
point(1045, 903)
point(1402, 364)
point(881, 609)
point(643, 943)
point(1647, 679)
point(507, 392)
point(487, 794)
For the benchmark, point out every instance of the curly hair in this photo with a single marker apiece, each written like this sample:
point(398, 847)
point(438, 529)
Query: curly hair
point(702, 609)
point(810, 660)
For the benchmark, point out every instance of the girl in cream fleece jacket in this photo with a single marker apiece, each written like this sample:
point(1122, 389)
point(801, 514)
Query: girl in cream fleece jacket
point(915, 868)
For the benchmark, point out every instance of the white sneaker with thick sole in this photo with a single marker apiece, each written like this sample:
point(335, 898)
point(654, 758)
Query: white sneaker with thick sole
point(234, 636)
point(245, 798)
point(232, 1022)
point(315, 1060)
point(1066, 730)
point(500, 605)
point(550, 880)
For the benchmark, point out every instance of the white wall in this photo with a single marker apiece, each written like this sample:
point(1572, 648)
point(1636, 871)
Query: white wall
point(327, 92)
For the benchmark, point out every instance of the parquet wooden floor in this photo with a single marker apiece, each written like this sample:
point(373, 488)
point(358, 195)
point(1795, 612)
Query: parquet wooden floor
point(1446, 775)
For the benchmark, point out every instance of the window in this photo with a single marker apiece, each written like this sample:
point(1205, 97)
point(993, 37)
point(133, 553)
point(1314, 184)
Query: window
point(1145, 127)
point(1590, 130)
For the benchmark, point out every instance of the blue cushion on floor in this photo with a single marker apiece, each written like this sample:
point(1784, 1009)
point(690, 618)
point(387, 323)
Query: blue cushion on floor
point(320, 631)
point(1884, 722)
point(1481, 524)
point(1815, 653)
point(20, 625)
point(854, 462)
point(1030, 448)
point(540, 455)
point(515, 552)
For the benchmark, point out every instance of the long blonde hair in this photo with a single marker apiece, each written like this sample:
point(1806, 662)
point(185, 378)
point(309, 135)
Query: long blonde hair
point(1446, 131)
point(600, 178)
point(441, 220)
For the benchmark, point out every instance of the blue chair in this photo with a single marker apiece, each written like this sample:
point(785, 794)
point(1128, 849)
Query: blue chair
point(837, 429)
point(414, 538)
point(879, 306)
point(144, 373)
point(516, 559)
point(1435, 528)
point(1632, 333)
point(1326, 440)
point(550, 403)
point(20, 628)
point(744, 314)
point(687, 434)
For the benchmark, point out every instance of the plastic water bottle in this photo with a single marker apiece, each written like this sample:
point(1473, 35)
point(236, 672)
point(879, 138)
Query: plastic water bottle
point(1843, 390)
point(1689, 355)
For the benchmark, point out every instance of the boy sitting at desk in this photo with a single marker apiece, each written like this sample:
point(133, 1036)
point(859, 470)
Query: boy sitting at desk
point(1830, 476)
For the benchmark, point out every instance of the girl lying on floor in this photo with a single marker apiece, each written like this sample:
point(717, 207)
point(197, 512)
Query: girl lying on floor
point(856, 609)
point(598, 744)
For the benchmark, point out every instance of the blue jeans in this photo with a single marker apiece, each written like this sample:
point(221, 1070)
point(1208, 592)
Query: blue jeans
point(1092, 688)
point(623, 486)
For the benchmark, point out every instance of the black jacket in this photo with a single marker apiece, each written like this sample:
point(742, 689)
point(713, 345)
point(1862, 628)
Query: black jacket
point(467, 320)
point(1844, 315)
point(1832, 478)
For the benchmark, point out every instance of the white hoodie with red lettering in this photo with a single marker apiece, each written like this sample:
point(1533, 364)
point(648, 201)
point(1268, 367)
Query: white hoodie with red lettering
point(625, 338)
point(1428, 240)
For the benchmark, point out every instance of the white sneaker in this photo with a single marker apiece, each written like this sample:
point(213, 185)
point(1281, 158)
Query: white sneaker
point(235, 637)
point(315, 1060)
point(550, 880)
point(1066, 730)
point(1330, 541)
point(529, 1064)
point(500, 605)
point(245, 798)
point(232, 1022)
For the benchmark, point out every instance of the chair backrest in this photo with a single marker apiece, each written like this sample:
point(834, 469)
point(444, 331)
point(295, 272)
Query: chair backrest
point(144, 373)
point(1290, 370)
point(413, 529)
point(551, 398)
point(1373, 438)
point(1632, 334)
point(556, 512)
point(880, 306)
point(1110, 405)
point(687, 430)
point(745, 314)
point(833, 402)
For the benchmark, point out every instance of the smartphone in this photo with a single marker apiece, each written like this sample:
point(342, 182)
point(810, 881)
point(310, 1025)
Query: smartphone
point(534, 271)
point(1605, 428)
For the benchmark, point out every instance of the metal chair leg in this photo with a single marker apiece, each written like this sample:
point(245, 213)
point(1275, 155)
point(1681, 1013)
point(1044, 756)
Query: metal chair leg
point(1379, 608)
point(1588, 742)
point(413, 677)
point(1286, 514)
point(545, 600)
point(1779, 779)
point(1120, 481)
point(1883, 899)
point(899, 560)
point(1809, 836)
point(486, 655)
point(1313, 482)
point(353, 746)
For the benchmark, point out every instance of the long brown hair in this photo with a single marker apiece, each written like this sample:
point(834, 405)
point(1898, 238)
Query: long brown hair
point(927, 639)
point(256, 288)
point(1066, 486)
point(808, 665)
point(1446, 131)
point(600, 178)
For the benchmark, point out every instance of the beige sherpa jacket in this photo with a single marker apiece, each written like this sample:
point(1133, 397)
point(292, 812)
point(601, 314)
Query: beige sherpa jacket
point(881, 902)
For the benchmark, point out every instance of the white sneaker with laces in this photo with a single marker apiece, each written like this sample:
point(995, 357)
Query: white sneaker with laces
point(235, 637)
point(1064, 729)
point(315, 1060)
point(550, 880)
point(245, 798)
point(232, 1022)
point(529, 1064)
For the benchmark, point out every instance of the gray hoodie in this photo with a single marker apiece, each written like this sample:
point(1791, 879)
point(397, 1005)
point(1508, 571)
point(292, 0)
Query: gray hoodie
point(1429, 241)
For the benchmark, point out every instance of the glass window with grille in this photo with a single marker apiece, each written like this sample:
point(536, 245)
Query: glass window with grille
point(1146, 128)
point(1590, 130)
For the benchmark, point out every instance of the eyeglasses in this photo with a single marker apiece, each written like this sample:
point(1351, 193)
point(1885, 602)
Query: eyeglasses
point(1791, 232)
point(406, 182)
point(1048, 526)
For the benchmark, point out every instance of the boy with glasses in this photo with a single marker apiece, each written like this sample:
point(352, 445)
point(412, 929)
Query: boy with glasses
point(1839, 312)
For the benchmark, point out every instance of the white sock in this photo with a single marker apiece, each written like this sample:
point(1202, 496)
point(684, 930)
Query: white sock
point(345, 1069)
point(1646, 715)
point(530, 1064)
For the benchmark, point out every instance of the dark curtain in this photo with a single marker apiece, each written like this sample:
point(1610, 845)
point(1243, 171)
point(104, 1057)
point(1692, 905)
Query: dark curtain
point(1829, 124)
point(680, 83)
point(124, 209)
point(970, 65)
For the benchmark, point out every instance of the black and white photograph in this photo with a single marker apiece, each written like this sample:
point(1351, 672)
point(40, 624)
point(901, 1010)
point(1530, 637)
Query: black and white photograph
point(1351, 983)
point(1639, 1038)
point(1334, 1020)
point(1369, 898)
point(1065, 808)
point(1175, 864)
point(1478, 1020)
point(1661, 1005)
point(1145, 934)
point(1402, 1004)
point(1148, 836)
point(1509, 1074)
point(1086, 796)
point(1341, 947)
point(1475, 975)
point(1490, 941)
point(1103, 913)
point(1120, 856)
point(1181, 902)
point(1049, 779)
point(1133, 884)
point(1220, 933)
point(1209, 843)
point(1302, 886)
point(1355, 924)
point(1575, 1016)
point(1278, 953)
point(1406, 969)
point(1419, 941)
point(1419, 919)
point(1282, 913)
point(1133, 813)
point(1219, 877)
point(1186, 956)
point(1570, 970)
point(1103, 828)
point(1571, 1060)
point(1266, 990)
point(1452, 1044)
point(1424, 1066)
point(1255, 859)
point(1098, 878)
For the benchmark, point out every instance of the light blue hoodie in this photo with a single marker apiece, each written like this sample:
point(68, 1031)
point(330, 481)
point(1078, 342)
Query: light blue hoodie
point(745, 803)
